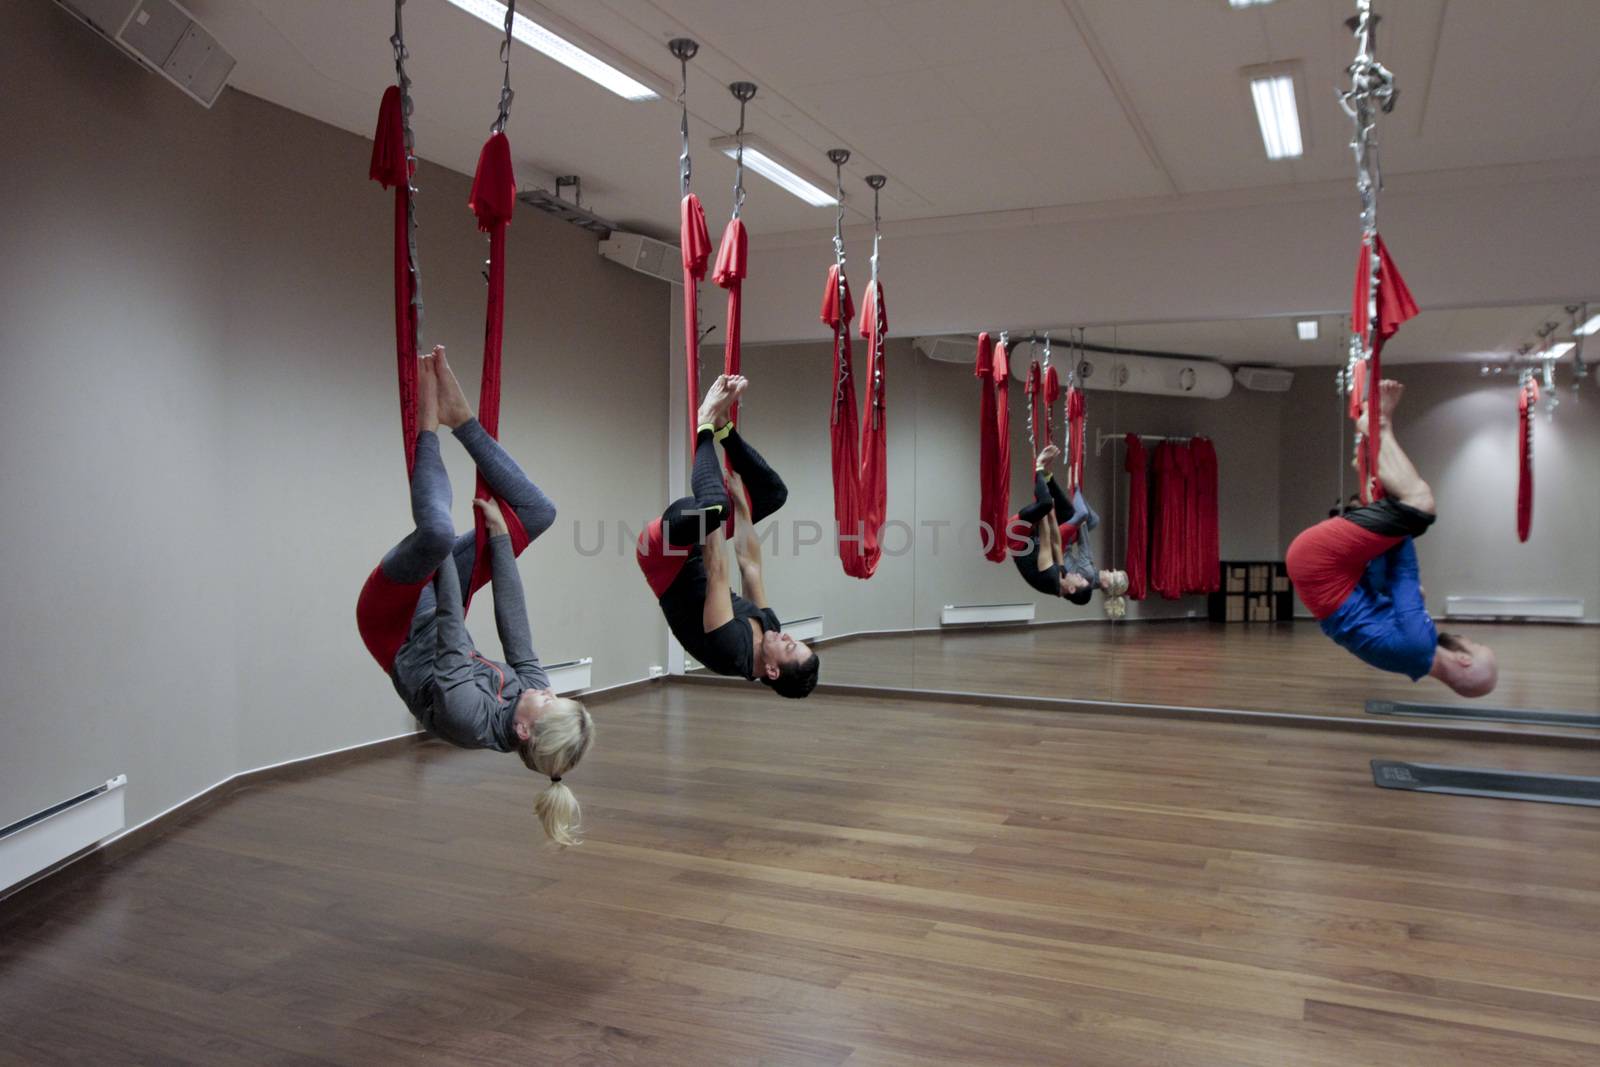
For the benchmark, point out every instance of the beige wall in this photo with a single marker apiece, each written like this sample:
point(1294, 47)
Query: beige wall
point(198, 435)
point(1460, 430)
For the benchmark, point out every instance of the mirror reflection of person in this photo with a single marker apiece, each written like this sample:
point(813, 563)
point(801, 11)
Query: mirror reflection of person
point(683, 559)
point(1047, 543)
point(1358, 574)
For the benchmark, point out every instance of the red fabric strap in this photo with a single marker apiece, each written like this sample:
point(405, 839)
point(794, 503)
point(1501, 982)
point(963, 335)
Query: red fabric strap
point(1527, 402)
point(1135, 556)
point(733, 264)
point(695, 242)
point(388, 168)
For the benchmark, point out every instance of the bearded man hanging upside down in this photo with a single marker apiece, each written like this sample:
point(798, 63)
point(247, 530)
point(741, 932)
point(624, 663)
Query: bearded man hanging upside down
point(1358, 574)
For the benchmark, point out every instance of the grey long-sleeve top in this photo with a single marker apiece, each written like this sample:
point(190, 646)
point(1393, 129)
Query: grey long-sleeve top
point(454, 692)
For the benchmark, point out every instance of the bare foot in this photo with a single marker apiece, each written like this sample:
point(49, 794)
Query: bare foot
point(453, 407)
point(427, 395)
point(1389, 393)
point(714, 408)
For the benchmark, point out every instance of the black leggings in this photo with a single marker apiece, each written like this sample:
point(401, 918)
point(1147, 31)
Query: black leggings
point(1046, 495)
point(690, 520)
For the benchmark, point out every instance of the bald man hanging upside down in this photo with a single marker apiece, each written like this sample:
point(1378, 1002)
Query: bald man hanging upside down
point(1358, 574)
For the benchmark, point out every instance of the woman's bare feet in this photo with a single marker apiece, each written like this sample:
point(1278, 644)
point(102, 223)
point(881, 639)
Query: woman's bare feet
point(453, 407)
point(719, 398)
point(1389, 393)
point(427, 395)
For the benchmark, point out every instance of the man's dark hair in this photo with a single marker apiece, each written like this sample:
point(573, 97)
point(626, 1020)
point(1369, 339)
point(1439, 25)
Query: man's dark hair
point(796, 680)
point(1081, 596)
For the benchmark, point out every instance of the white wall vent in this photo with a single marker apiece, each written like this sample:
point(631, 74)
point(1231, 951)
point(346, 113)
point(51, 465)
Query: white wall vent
point(46, 837)
point(645, 255)
point(163, 37)
point(1264, 379)
point(970, 614)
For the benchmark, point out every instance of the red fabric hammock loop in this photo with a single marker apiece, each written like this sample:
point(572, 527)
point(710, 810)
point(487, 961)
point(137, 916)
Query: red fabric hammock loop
point(838, 309)
point(1527, 403)
point(994, 446)
point(389, 169)
point(873, 483)
point(492, 200)
point(1033, 389)
point(695, 243)
point(732, 266)
point(1076, 408)
point(1394, 305)
point(1052, 393)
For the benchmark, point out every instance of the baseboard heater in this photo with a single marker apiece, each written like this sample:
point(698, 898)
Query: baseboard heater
point(571, 676)
point(1479, 713)
point(47, 837)
point(974, 614)
point(1485, 782)
point(1514, 607)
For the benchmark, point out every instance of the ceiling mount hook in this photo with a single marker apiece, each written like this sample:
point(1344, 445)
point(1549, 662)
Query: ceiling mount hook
point(743, 92)
point(684, 49)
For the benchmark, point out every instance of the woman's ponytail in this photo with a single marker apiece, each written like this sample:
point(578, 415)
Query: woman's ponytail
point(560, 738)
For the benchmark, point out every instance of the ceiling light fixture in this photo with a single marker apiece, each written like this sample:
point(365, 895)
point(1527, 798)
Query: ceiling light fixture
point(543, 39)
point(1307, 329)
point(780, 171)
point(1557, 351)
point(1238, 4)
point(1590, 327)
point(1272, 92)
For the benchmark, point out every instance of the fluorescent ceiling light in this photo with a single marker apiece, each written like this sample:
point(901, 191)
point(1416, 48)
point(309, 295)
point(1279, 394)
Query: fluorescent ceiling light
point(1273, 95)
point(1592, 326)
point(1236, 4)
point(770, 164)
point(559, 49)
point(1307, 328)
point(1557, 351)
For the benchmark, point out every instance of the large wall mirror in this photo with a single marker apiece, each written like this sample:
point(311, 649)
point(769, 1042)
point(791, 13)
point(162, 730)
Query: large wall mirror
point(1261, 397)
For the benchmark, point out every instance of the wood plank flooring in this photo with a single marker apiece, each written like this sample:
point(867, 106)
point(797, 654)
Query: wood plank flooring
point(1288, 667)
point(839, 882)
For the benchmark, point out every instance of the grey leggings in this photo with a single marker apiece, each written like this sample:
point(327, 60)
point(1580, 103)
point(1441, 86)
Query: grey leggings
point(424, 549)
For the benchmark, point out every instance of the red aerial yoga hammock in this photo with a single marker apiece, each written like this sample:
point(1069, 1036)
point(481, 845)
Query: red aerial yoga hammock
point(1138, 519)
point(733, 262)
point(695, 242)
point(390, 169)
point(1166, 563)
point(1527, 401)
point(994, 445)
point(843, 428)
point(874, 482)
point(1074, 411)
point(493, 196)
point(1395, 306)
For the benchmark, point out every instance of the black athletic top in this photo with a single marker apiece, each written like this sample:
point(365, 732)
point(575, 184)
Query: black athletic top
point(1046, 580)
point(730, 648)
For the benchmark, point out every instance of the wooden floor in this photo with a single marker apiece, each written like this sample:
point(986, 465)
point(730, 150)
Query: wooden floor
point(1286, 667)
point(861, 882)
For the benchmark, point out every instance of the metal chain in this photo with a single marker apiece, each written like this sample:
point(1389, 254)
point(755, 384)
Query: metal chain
point(413, 267)
point(505, 59)
point(1371, 90)
point(743, 92)
point(840, 156)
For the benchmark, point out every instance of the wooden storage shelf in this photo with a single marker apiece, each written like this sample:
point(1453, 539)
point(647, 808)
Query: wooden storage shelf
point(1252, 591)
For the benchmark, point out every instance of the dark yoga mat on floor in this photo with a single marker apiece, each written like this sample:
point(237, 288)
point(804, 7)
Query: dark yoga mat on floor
point(1533, 716)
point(1483, 782)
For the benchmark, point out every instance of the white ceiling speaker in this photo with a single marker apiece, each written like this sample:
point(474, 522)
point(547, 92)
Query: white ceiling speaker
point(163, 37)
point(645, 255)
point(1265, 379)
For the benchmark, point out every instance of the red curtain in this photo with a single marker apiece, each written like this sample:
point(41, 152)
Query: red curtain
point(1205, 495)
point(1138, 519)
point(994, 445)
point(1184, 542)
point(1395, 306)
point(1527, 402)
